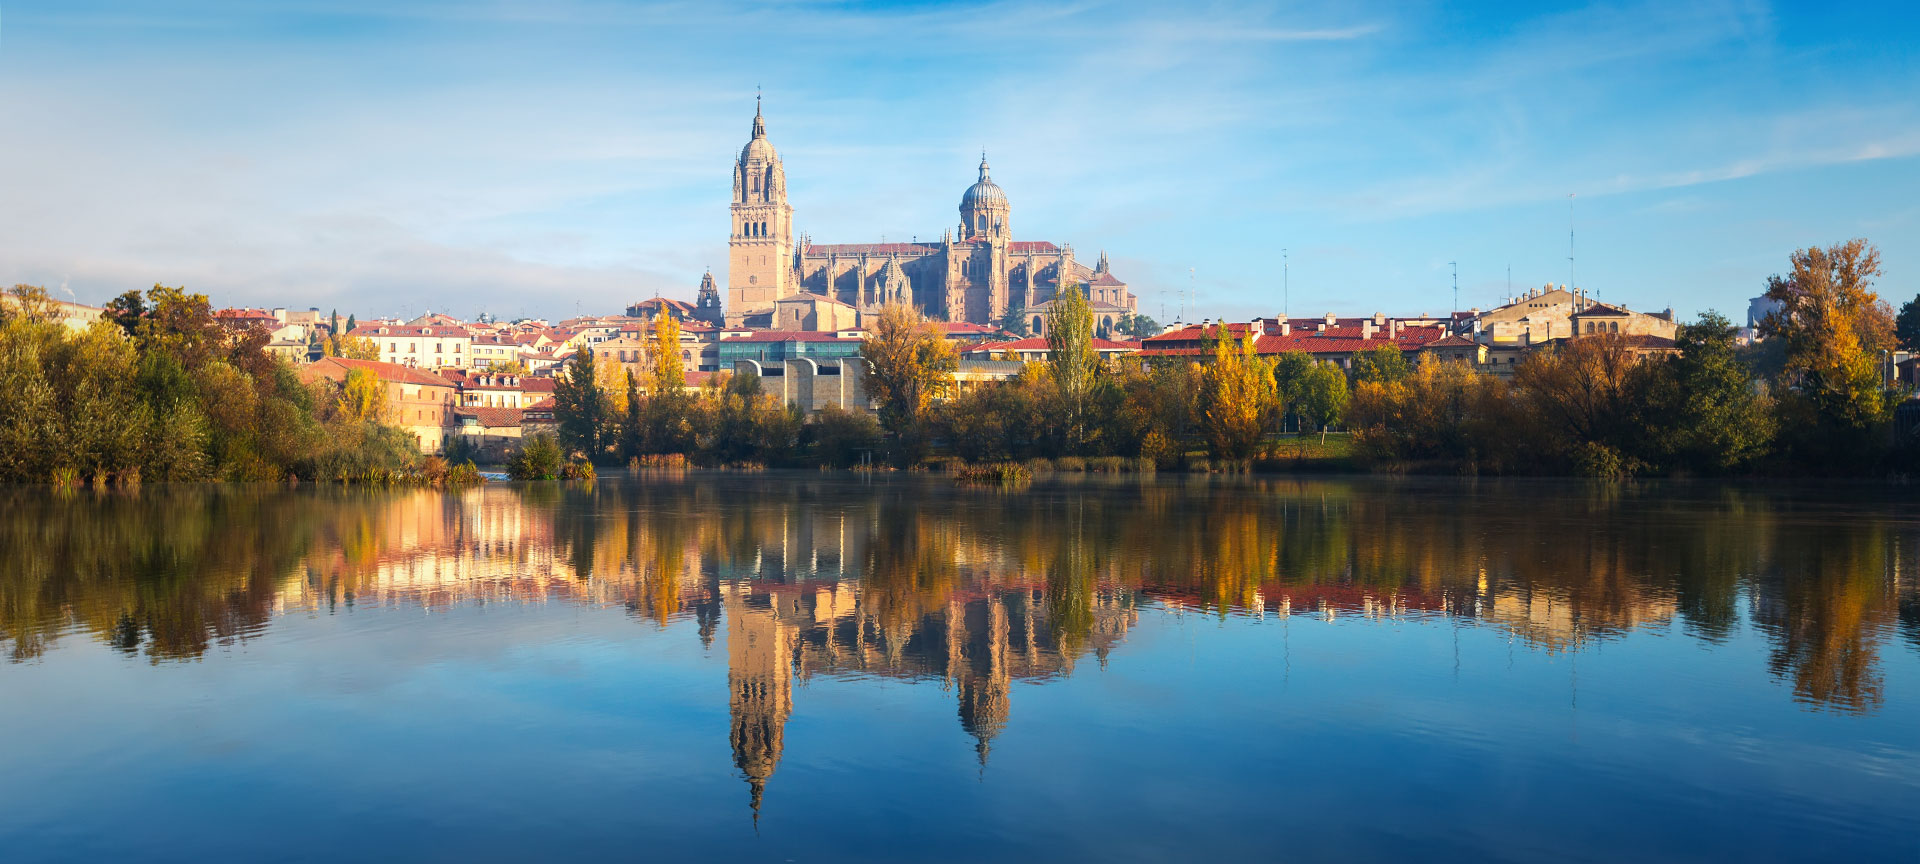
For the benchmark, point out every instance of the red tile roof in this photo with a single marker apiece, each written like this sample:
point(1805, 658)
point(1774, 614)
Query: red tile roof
point(1036, 343)
point(384, 371)
point(536, 385)
point(375, 331)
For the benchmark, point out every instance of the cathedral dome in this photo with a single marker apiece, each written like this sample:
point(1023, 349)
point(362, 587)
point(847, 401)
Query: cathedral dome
point(984, 193)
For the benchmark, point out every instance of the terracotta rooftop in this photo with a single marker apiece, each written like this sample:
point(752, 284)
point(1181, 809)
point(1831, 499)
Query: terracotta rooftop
point(384, 371)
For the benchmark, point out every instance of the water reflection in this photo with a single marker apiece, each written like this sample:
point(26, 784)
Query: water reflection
point(911, 578)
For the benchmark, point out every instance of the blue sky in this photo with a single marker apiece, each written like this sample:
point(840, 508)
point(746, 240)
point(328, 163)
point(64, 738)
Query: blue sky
point(547, 157)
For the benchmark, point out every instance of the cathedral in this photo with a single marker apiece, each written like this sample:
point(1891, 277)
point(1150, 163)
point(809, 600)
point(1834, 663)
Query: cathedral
point(977, 273)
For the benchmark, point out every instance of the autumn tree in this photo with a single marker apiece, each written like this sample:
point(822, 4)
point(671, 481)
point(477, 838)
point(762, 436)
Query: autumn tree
point(910, 364)
point(1586, 391)
point(363, 397)
point(1834, 328)
point(1236, 396)
point(668, 418)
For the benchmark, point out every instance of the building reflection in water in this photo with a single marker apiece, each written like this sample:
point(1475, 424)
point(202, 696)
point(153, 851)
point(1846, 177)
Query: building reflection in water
point(915, 579)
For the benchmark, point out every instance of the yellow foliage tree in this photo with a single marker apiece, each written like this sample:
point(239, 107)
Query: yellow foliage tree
point(911, 365)
point(363, 397)
point(1236, 397)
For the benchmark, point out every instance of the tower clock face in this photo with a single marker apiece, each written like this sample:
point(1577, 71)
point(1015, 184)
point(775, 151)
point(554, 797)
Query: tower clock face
point(753, 280)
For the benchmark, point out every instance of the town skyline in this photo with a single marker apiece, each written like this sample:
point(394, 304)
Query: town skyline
point(547, 161)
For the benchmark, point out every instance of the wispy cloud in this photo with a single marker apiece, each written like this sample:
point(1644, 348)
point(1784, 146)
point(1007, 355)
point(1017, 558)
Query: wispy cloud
point(447, 152)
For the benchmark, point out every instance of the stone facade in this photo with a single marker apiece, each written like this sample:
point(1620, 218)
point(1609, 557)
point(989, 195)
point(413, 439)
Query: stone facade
point(976, 274)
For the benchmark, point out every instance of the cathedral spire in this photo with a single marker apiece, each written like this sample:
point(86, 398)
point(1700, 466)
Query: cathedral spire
point(759, 124)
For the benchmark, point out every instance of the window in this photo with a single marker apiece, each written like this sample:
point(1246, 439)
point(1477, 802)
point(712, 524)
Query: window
point(413, 347)
point(393, 347)
point(438, 347)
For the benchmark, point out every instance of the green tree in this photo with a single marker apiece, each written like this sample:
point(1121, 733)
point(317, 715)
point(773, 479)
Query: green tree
point(1382, 364)
point(1015, 322)
point(1907, 325)
point(579, 407)
point(126, 310)
point(1705, 410)
point(1138, 326)
point(840, 437)
point(910, 365)
point(1074, 364)
point(633, 431)
point(1323, 397)
point(1289, 375)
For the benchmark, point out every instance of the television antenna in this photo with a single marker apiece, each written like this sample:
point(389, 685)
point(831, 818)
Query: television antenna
point(1456, 285)
point(1286, 288)
point(1572, 283)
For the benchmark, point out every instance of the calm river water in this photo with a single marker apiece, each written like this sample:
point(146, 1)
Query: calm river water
point(827, 667)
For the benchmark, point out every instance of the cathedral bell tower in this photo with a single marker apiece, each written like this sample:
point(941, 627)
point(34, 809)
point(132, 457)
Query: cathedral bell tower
point(760, 248)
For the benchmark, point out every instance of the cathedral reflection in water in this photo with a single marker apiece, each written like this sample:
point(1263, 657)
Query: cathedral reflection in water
point(910, 578)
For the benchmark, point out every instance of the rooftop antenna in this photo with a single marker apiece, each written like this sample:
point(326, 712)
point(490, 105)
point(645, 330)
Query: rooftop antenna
point(1286, 288)
point(1456, 285)
point(1571, 282)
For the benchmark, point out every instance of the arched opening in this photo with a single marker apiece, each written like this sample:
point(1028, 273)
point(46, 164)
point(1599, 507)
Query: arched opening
point(1036, 323)
point(980, 223)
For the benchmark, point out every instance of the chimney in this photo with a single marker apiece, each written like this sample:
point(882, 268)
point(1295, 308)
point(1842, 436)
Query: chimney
point(1286, 327)
point(1331, 319)
point(1366, 328)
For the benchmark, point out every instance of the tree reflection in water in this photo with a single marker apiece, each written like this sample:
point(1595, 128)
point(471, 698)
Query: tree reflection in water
point(909, 577)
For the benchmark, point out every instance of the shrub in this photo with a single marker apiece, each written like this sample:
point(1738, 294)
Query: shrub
point(995, 474)
point(538, 459)
point(1070, 463)
point(578, 469)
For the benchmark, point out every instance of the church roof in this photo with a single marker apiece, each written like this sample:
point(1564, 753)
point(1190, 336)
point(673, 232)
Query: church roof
point(1106, 280)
